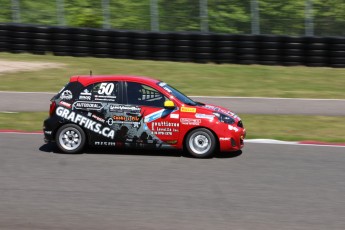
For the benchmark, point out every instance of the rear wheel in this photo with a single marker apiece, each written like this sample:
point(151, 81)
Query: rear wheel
point(201, 143)
point(70, 138)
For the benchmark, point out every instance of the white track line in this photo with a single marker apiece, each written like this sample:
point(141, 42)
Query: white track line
point(19, 92)
point(278, 142)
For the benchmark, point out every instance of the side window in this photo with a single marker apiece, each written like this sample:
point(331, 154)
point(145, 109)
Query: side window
point(105, 91)
point(139, 94)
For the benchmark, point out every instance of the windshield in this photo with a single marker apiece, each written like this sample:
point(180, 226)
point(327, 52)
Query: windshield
point(177, 94)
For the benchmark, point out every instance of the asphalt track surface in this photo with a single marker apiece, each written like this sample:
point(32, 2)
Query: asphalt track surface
point(31, 102)
point(265, 187)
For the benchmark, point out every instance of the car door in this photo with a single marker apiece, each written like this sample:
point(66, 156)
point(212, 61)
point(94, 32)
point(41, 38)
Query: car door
point(148, 122)
point(94, 102)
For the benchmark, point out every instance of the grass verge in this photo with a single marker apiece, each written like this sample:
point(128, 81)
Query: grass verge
point(281, 127)
point(190, 78)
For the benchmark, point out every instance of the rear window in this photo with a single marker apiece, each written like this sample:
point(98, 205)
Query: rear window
point(69, 91)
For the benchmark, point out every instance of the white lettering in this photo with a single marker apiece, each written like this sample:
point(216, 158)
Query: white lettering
point(85, 122)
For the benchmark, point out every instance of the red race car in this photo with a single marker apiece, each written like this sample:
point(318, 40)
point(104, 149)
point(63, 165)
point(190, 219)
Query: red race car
point(138, 112)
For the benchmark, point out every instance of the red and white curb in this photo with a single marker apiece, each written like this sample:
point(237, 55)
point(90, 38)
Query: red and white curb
point(258, 141)
point(11, 131)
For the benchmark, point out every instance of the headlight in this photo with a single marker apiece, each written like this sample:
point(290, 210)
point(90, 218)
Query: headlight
point(223, 118)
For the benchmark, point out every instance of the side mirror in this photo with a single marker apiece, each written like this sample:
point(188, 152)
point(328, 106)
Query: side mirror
point(169, 105)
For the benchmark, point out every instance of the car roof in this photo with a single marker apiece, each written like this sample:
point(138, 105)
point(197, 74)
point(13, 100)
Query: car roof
point(90, 79)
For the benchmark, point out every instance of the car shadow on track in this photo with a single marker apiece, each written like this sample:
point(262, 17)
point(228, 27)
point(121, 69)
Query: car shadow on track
point(52, 148)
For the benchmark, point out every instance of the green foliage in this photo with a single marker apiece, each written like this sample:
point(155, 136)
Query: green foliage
point(179, 15)
point(224, 16)
point(5, 11)
point(229, 16)
point(126, 14)
point(84, 13)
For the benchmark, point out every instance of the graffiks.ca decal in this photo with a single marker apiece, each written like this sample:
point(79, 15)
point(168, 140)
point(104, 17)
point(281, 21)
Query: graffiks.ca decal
point(85, 122)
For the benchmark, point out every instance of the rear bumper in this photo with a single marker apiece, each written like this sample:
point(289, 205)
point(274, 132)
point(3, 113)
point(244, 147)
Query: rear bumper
point(50, 125)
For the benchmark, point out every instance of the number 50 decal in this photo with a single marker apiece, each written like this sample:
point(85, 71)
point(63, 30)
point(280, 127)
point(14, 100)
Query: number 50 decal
point(106, 88)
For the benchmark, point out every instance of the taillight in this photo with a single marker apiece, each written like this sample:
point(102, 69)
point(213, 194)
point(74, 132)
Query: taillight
point(52, 108)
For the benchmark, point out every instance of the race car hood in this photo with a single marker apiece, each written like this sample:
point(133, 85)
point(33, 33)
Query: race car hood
point(219, 109)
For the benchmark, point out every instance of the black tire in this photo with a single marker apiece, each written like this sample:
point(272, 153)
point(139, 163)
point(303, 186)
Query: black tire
point(293, 52)
point(140, 41)
point(201, 143)
point(294, 45)
point(73, 135)
point(245, 51)
point(270, 51)
point(226, 50)
point(182, 49)
point(161, 42)
point(225, 44)
point(269, 45)
point(316, 46)
point(160, 48)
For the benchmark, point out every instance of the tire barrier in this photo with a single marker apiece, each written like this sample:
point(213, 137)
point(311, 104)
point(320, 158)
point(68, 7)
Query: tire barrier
point(166, 46)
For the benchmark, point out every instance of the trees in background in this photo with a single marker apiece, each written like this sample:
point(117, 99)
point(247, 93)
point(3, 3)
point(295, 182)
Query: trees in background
point(224, 16)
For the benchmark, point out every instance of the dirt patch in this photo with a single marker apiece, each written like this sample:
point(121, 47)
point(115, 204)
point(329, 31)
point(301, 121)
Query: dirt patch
point(19, 66)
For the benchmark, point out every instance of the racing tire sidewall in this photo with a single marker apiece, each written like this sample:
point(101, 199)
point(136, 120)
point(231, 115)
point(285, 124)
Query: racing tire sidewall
point(203, 135)
point(77, 132)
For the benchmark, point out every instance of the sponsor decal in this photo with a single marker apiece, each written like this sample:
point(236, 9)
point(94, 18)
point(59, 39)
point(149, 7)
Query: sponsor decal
point(63, 103)
point(233, 128)
point(164, 127)
point(163, 133)
point(86, 92)
point(48, 132)
point(188, 110)
point(126, 118)
point(158, 114)
point(206, 116)
point(85, 122)
point(212, 107)
point(98, 118)
point(110, 121)
point(85, 97)
point(175, 115)
point(104, 98)
point(166, 124)
point(217, 109)
point(190, 121)
point(67, 95)
point(124, 108)
point(162, 84)
point(88, 105)
point(167, 89)
point(105, 143)
point(224, 138)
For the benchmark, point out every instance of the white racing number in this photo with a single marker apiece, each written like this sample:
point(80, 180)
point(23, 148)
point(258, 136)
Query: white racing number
point(106, 88)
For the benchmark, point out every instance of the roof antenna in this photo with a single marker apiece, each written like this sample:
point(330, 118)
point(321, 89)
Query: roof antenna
point(90, 72)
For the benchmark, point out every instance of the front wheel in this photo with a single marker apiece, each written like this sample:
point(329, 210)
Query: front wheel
point(70, 138)
point(201, 143)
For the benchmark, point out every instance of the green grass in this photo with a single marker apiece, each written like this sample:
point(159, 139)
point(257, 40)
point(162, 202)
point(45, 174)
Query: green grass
point(24, 121)
point(281, 127)
point(190, 78)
